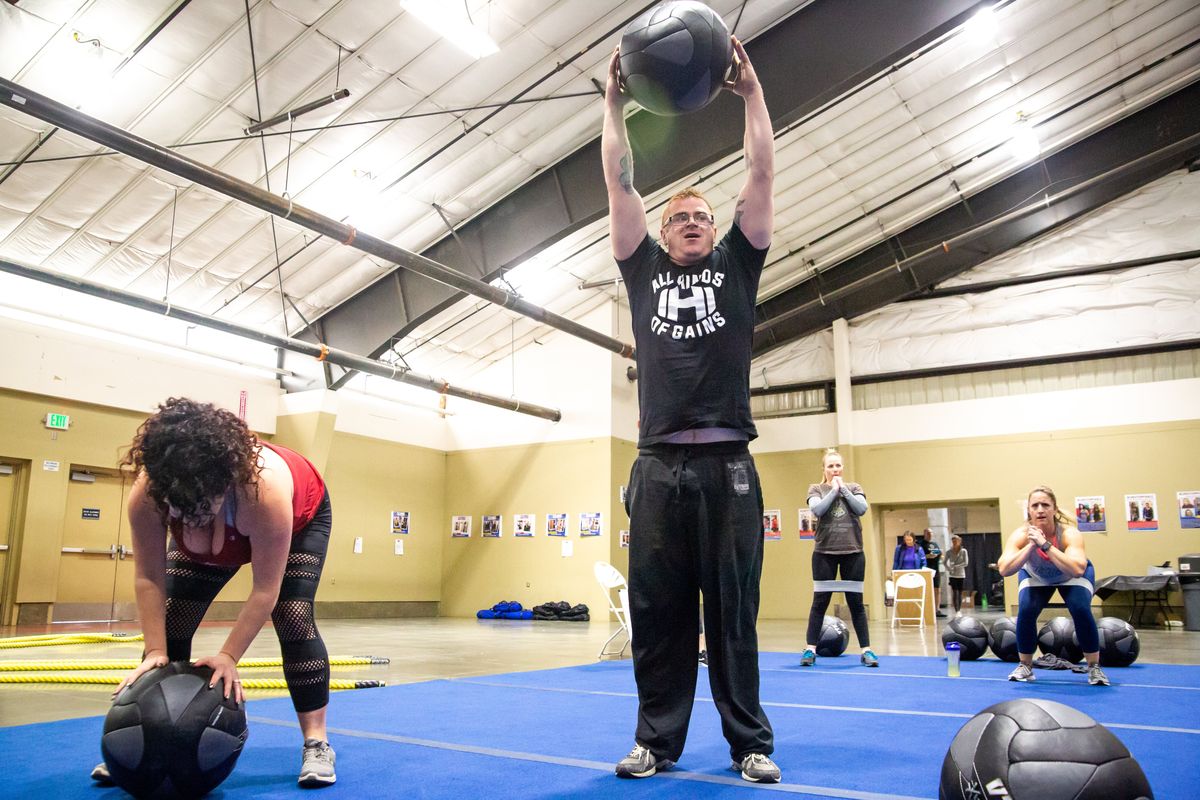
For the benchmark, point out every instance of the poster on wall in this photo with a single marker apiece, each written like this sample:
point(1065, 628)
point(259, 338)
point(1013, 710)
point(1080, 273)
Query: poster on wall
point(589, 523)
point(1189, 508)
point(808, 523)
point(556, 524)
point(1141, 512)
point(460, 527)
point(491, 526)
point(624, 538)
point(772, 529)
point(1089, 514)
point(524, 525)
point(399, 523)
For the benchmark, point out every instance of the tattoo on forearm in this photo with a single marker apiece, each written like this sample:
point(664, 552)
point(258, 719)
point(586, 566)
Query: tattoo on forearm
point(626, 178)
point(737, 212)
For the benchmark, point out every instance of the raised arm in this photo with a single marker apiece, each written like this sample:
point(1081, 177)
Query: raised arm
point(626, 211)
point(755, 212)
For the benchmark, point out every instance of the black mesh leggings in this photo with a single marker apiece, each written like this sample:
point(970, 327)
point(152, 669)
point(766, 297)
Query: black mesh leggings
point(192, 585)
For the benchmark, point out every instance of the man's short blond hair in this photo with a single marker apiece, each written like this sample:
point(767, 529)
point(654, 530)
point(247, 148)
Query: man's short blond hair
point(690, 191)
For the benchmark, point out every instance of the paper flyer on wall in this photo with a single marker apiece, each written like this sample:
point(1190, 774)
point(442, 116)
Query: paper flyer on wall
point(772, 527)
point(399, 523)
point(1090, 514)
point(460, 527)
point(808, 523)
point(1141, 512)
point(556, 524)
point(524, 525)
point(1189, 508)
point(624, 538)
point(491, 526)
point(589, 523)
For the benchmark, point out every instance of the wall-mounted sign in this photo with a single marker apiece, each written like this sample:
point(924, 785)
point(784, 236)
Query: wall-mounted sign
point(58, 422)
point(91, 513)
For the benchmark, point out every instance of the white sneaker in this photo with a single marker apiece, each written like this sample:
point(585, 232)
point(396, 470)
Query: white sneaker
point(316, 769)
point(1023, 673)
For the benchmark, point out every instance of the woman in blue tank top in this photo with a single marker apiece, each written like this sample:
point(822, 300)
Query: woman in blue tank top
point(1047, 554)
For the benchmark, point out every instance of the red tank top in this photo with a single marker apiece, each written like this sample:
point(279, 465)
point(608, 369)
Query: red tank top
point(308, 490)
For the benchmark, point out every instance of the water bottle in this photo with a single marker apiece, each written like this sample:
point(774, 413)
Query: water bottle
point(953, 651)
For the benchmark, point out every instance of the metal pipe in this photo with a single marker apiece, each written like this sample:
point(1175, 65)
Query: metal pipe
point(298, 111)
point(318, 351)
point(43, 108)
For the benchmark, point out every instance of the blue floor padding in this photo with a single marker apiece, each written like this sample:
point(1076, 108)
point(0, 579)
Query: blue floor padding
point(556, 733)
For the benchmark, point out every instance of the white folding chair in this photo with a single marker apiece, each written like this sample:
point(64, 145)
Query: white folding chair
point(910, 592)
point(613, 581)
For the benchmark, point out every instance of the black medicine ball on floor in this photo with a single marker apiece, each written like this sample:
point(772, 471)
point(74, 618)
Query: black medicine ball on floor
point(970, 633)
point(834, 637)
point(1119, 645)
point(675, 57)
point(169, 735)
point(1057, 638)
point(1039, 749)
point(1004, 639)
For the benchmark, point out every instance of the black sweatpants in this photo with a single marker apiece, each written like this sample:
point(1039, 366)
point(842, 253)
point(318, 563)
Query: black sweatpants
point(696, 527)
point(192, 586)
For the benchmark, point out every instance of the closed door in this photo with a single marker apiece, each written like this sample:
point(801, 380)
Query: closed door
point(95, 574)
point(8, 501)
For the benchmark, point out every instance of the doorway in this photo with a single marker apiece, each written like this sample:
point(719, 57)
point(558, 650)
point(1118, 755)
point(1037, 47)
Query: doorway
point(977, 521)
point(10, 513)
point(95, 573)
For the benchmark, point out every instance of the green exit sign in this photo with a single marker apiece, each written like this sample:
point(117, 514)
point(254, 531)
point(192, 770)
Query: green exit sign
point(59, 422)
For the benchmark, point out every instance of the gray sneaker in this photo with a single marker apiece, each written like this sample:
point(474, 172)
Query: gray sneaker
point(1096, 676)
point(101, 775)
point(757, 768)
point(641, 763)
point(1023, 673)
point(317, 767)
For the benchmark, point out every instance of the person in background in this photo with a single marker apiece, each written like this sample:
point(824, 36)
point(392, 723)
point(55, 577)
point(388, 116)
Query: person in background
point(933, 557)
point(1048, 555)
point(838, 506)
point(908, 554)
point(956, 560)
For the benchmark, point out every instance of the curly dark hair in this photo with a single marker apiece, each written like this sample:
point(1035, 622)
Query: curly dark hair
point(192, 452)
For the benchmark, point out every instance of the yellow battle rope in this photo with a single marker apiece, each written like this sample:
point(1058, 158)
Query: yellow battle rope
point(245, 663)
point(251, 683)
point(55, 639)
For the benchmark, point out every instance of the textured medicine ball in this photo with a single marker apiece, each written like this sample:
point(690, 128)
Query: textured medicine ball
point(970, 633)
point(169, 735)
point(1004, 639)
point(1119, 645)
point(1057, 638)
point(675, 57)
point(834, 637)
point(1039, 749)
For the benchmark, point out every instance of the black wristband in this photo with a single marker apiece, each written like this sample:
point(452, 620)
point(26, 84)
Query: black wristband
point(1045, 546)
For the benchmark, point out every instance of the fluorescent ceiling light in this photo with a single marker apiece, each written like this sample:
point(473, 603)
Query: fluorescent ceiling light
point(1024, 144)
point(450, 21)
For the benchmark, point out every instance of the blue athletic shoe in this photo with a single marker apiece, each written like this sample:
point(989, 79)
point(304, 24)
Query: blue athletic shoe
point(808, 657)
point(869, 659)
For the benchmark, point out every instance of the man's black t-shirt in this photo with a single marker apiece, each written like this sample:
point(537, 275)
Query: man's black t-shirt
point(693, 328)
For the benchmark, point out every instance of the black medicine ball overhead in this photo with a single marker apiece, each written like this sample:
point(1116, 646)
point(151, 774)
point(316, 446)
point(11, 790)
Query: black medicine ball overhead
point(675, 57)
point(1039, 749)
point(970, 633)
point(169, 735)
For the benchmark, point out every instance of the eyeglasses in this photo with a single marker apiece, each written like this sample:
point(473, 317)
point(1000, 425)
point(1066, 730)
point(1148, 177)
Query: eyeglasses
point(701, 218)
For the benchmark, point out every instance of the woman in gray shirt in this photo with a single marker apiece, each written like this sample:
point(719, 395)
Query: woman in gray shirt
point(956, 559)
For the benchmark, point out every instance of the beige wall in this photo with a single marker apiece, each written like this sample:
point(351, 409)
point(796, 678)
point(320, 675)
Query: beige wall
point(559, 477)
point(95, 439)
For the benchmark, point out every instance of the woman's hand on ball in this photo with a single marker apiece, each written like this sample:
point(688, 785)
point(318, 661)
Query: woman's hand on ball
point(151, 661)
point(612, 90)
point(224, 669)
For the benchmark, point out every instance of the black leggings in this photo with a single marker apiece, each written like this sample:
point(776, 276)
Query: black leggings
point(192, 585)
point(825, 568)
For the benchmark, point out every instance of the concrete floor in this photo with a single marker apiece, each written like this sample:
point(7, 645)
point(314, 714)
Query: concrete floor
point(426, 649)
